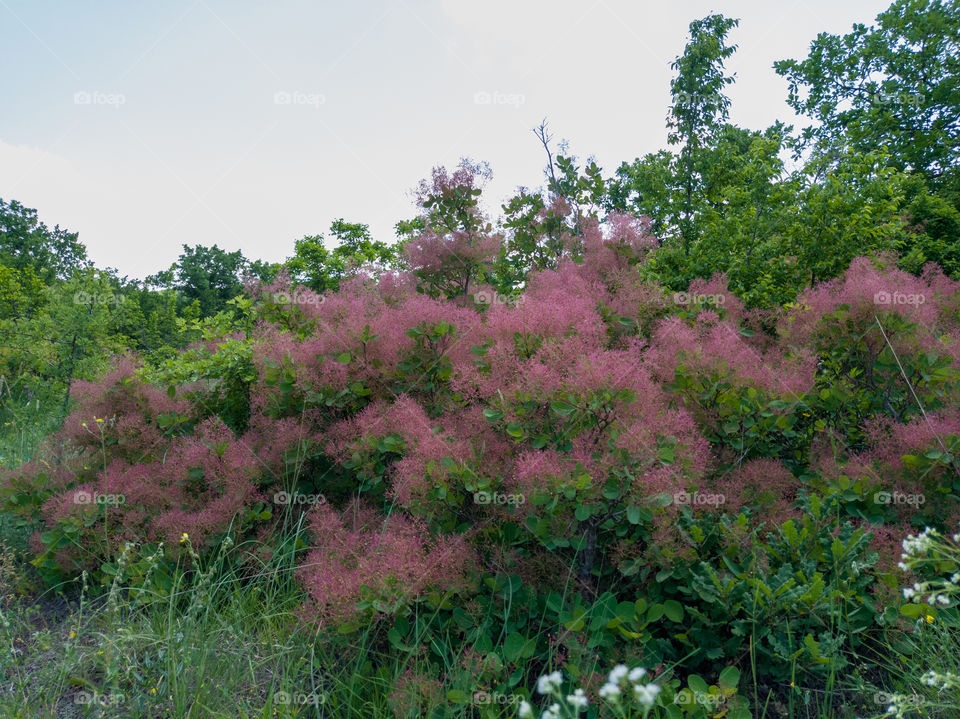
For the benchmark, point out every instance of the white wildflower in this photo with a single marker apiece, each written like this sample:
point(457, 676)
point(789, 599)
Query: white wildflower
point(549, 683)
point(609, 691)
point(578, 700)
point(551, 712)
point(646, 694)
point(618, 673)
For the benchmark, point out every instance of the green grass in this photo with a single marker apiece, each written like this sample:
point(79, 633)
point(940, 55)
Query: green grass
point(223, 644)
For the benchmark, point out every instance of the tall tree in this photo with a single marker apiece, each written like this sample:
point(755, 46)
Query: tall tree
point(456, 249)
point(314, 266)
point(894, 84)
point(699, 109)
point(208, 276)
point(670, 187)
point(25, 242)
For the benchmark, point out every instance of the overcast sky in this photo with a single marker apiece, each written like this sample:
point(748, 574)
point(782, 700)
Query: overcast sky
point(248, 124)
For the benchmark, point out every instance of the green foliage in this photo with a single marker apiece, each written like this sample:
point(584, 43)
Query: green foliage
point(320, 269)
point(219, 369)
point(698, 110)
point(26, 243)
point(891, 85)
point(206, 275)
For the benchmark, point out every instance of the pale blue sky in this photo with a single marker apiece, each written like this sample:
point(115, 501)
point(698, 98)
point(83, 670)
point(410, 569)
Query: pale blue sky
point(249, 124)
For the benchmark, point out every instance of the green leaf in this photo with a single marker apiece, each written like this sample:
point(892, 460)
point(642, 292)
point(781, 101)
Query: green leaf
point(515, 429)
point(513, 646)
point(914, 611)
point(697, 684)
point(674, 610)
point(343, 358)
point(456, 696)
point(729, 678)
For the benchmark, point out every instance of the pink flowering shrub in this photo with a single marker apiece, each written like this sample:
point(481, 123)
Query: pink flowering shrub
point(365, 564)
point(885, 342)
point(476, 435)
point(852, 302)
point(764, 486)
point(456, 248)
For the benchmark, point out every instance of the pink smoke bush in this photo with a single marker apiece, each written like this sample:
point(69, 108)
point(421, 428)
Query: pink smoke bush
point(360, 555)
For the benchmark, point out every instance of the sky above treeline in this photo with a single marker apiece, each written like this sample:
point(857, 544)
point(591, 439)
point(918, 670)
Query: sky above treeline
point(249, 124)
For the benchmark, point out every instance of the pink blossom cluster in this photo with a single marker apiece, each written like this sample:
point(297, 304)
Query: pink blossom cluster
point(359, 554)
